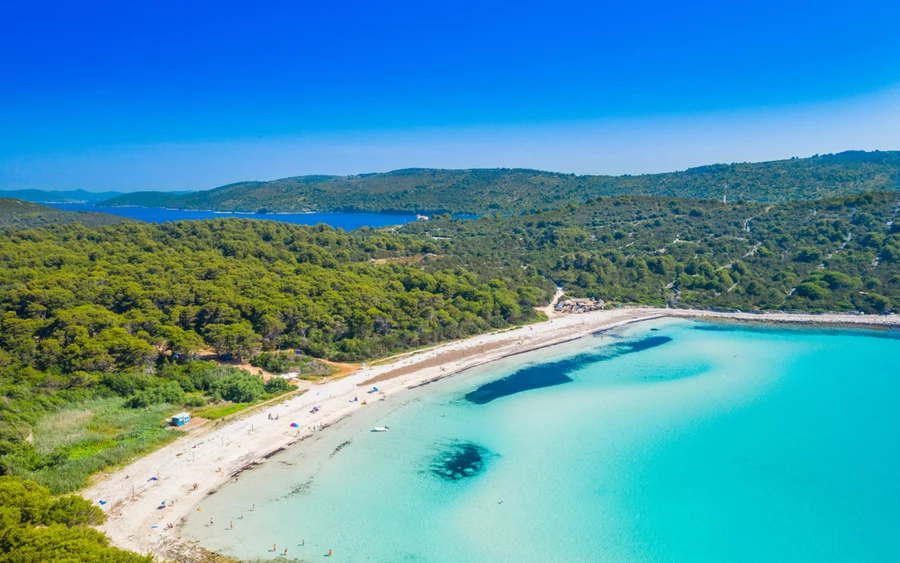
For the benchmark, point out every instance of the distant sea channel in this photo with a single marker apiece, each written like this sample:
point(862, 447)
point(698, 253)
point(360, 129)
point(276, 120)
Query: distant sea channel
point(339, 220)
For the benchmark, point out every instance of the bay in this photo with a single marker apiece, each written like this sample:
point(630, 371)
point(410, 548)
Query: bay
point(339, 220)
point(670, 440)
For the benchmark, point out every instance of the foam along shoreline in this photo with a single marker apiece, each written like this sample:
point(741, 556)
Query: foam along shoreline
point(216, 454)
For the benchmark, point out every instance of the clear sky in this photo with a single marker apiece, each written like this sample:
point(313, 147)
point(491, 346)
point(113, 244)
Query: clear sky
point(131, 95)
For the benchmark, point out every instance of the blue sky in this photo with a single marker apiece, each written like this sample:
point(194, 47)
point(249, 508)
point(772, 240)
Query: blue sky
point(190, 95)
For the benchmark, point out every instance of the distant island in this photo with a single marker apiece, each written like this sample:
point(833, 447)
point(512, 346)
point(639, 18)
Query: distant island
point(512, 191)
point(24, 214)
point(65, 196)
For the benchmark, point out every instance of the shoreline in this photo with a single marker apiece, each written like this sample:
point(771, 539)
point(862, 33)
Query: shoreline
point(216, 454)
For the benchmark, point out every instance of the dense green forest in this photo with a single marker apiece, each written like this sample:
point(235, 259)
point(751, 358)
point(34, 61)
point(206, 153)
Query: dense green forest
point(23, 214)
point(512, 191)
point(35, 528)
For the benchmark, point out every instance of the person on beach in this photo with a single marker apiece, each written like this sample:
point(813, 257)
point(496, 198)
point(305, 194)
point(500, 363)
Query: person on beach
point(210, 521)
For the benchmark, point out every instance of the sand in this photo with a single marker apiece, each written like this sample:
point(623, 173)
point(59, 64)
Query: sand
point(216, 453)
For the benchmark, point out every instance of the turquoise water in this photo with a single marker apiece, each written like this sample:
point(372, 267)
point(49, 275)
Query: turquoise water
point(666, 441)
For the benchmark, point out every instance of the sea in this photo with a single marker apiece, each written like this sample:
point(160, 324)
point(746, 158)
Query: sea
point(339, 220)
point(662, 441)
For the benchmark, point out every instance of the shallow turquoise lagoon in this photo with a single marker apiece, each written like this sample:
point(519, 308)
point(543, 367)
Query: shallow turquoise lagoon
point(664, 441)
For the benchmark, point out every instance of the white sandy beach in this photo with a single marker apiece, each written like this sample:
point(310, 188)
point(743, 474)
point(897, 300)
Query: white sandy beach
point(211, 455)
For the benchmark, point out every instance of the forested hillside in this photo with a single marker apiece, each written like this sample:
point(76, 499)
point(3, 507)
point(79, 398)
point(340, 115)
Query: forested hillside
point(839, 254)
point(512, 191)
point(23, 214)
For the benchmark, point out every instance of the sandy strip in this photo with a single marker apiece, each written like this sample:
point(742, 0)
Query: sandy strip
point(214, 454)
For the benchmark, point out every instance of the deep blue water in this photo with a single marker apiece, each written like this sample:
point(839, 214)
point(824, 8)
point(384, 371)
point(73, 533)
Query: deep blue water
point(346, 221)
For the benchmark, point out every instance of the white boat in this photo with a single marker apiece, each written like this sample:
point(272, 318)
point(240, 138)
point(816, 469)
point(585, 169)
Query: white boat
point(380, 429)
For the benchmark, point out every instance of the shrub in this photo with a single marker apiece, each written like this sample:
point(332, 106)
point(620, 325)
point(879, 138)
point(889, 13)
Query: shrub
point(126, 383)
point(812, 291)
point(74, 511)
point(240, 387)
point(277, 385)
point(193, 400)
point(168, 392)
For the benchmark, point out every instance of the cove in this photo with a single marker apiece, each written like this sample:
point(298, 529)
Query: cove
point(747, 444)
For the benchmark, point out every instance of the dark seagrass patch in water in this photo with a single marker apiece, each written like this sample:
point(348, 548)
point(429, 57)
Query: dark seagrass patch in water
point(339, 448)
point(548, 374)
point(457, 460)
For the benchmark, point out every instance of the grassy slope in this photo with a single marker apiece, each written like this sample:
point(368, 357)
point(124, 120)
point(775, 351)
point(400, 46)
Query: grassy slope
point(23, 214)
point(515, 190)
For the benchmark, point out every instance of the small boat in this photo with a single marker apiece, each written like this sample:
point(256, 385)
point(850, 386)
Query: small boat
point(380, 429)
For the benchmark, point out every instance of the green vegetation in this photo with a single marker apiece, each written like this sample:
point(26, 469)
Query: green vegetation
point(22, 214)
point(58, 428)
point(35, 528)
point(509, 191)
point(220, 410)
point(285, 362)
point(839, 254)
point(82, 438)
point(96, 300)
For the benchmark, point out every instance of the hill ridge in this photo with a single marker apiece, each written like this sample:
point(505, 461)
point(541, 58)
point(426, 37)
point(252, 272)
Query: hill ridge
point(515, 190)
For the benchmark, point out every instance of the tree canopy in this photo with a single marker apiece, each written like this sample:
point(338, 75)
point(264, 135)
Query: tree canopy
point(35, 528)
